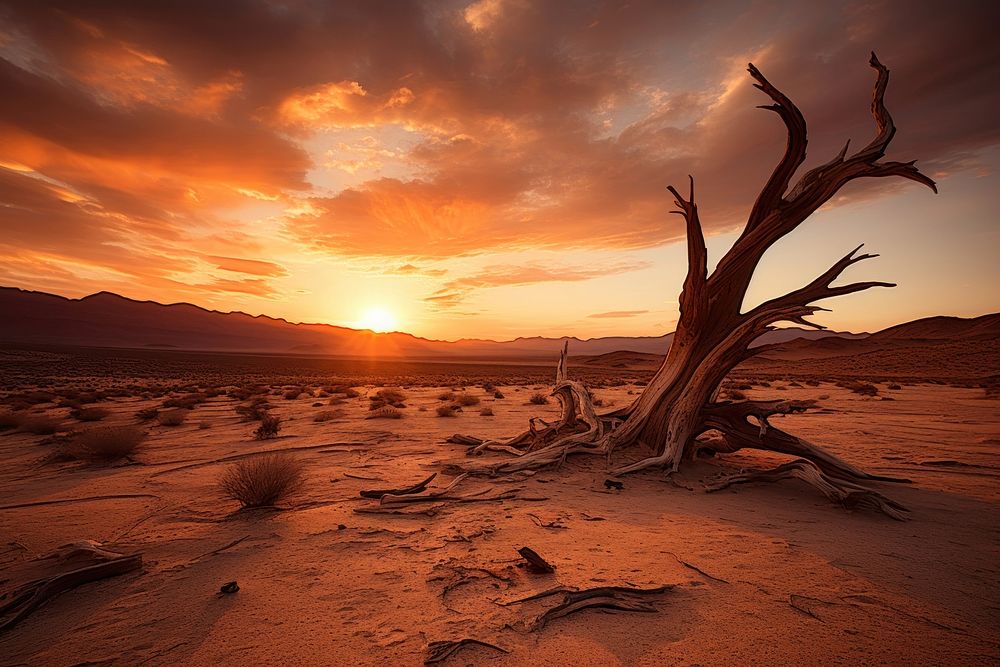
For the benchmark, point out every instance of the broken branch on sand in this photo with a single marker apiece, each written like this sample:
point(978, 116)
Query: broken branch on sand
point(27, 598)
point(419, 487)
point(621, 598)
point(440, 650)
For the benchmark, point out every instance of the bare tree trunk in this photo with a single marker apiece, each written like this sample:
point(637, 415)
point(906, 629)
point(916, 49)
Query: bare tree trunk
point(714, 334)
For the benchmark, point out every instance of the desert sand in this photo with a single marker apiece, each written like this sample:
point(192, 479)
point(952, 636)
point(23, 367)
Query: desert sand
point(758, 574)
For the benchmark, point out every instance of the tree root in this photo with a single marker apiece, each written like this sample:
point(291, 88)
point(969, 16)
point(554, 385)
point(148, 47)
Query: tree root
point(29, 597)
point(441, 650)
point(848, 494)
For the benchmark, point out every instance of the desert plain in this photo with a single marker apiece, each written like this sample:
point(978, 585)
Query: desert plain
point(752, 574)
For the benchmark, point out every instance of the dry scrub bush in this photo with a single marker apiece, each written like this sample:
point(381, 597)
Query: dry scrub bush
point(173, 417)
point(38, 425)
point(467, 400)
point(486, 411)
point(538, 399)
point(446, 396)
point(10, 419)
point(327, 415)
point(390, 395)
point(351, 393)
point(108, 443)
point(293, 394)
point(862, 388)
point(498, 394)
point(89, 414)
point(147, 414)
point(269, 427)
point(445, 411)
point(384, 412)
point(262, 481)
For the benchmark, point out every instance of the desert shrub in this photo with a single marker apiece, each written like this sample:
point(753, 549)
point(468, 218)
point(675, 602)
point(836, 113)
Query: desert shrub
point(327, 415)
point(293, 394)
point(390, 395)
point(336, 400)
point(351, 393)
point(262, 481)
point(862, 388)
point(269, 427)
point(188, 402)
point(812, 383)
point(38, 425)
point(467, 400)
point(486, 411)
point(255, 411)
point(173, 417)
point(497, 394)
point(538, 399)
point(89, 414)
point(108, 443)
point(446, 411)
point(446, 396)
point(893, 386)
point(385, 412)
point(70, 403)
point(10, 419)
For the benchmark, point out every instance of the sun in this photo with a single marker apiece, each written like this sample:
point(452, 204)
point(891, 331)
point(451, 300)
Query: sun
point(378, 319)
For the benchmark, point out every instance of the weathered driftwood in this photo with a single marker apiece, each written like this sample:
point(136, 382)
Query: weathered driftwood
point(89, 563)
point(536, 563)
point(713, 333)
point(440, 650)
point(622, 598)
point(415, 488)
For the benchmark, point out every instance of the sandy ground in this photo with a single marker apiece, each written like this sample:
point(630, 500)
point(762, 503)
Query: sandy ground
point(769, 574)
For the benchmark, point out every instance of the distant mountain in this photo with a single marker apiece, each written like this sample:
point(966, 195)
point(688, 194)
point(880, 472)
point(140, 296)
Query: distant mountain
point(109, 320)
point(931, 328)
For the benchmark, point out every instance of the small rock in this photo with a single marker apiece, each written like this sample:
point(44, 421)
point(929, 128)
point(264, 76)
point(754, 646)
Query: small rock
point(230, 587)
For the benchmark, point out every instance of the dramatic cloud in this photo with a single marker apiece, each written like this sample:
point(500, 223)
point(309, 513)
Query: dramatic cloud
point(455, 291)
point(155, 144)
point(618, 313)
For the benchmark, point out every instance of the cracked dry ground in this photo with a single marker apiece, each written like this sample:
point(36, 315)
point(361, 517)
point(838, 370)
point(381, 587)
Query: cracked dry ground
point(759, 574)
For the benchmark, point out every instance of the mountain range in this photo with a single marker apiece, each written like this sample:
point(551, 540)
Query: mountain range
point(106, 319)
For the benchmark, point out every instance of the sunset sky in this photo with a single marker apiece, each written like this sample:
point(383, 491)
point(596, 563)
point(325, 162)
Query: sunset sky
point(490, 169)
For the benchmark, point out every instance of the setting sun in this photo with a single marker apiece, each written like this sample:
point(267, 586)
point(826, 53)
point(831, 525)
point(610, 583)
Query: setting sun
point(378, 319)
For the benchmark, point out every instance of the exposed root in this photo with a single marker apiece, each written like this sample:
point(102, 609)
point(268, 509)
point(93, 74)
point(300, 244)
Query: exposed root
point(733, 420)
point(848, 494)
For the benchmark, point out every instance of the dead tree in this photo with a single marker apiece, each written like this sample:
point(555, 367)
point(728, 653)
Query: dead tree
point(714, 334)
